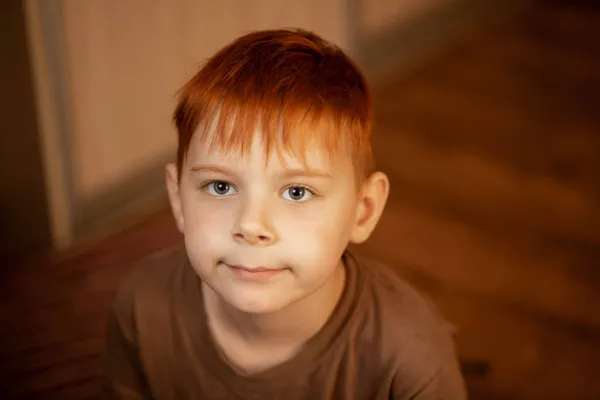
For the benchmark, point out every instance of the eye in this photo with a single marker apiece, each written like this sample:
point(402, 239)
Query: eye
point(297, 194)
point(220, 188)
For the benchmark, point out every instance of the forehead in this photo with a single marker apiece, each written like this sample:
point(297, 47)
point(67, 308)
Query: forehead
point(305, 149)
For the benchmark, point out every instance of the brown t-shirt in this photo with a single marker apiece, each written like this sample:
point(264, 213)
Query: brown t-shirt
point(383, 341)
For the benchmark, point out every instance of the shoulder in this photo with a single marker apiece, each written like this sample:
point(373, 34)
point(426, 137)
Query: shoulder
point(414, 340)
point(148, 281)
point(404, 312)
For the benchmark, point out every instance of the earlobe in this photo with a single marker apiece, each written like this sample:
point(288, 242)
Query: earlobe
point(172, 183)
point(374, 196)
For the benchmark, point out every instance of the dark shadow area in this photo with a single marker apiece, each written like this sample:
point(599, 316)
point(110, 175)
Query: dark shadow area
point(24, 224)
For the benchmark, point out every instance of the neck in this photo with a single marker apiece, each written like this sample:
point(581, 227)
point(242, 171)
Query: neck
point(292, 325)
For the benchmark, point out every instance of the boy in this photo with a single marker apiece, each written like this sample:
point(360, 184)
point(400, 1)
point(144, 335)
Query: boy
point(274, 177)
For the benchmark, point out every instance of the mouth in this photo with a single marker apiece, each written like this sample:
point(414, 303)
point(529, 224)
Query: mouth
point(253, 273)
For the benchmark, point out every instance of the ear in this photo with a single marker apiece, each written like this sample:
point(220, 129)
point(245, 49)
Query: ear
point(172, 182)
point(373, 196)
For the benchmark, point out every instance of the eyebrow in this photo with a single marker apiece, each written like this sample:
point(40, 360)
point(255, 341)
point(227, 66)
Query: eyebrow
point(289, 172)
point(211, 168)
point(311, 173)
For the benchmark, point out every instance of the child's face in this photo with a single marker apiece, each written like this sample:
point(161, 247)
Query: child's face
point(265, 235)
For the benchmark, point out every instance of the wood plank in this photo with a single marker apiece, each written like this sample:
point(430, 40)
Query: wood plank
point(46, 381)
point(524, 201)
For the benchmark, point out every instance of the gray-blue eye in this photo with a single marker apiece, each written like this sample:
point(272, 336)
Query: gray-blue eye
point(220, 188)
point(297, 193)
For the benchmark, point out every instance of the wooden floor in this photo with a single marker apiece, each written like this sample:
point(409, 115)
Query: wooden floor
point(493, 150)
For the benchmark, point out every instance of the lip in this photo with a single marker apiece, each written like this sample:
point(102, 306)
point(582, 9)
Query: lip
point(253, 273)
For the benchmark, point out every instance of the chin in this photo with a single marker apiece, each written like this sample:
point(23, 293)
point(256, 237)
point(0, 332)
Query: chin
point(259, 304)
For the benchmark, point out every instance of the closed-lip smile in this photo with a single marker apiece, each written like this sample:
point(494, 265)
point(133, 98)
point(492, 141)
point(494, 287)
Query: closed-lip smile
point(253, 273)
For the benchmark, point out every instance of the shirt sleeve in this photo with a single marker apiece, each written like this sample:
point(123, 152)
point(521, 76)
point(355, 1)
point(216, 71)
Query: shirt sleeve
point(123, 373)
point(446, 384)
point(432, 376)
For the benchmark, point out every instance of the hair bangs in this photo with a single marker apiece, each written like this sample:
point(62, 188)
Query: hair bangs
point(291, 128)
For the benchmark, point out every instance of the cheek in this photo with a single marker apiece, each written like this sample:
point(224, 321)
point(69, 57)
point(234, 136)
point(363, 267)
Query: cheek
point(330, 220)
point(318, 236)
point(206, 226)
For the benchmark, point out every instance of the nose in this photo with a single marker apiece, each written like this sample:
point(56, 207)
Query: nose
point(253, 226)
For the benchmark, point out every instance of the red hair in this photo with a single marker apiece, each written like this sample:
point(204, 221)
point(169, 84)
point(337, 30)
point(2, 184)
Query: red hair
point(298, 89)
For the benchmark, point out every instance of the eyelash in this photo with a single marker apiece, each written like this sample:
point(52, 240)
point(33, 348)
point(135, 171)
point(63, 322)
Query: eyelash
point(308, 189)
point(207, 184)
point(313, 193)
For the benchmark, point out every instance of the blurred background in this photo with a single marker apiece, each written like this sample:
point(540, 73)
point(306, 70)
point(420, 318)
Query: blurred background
point(487, 122)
